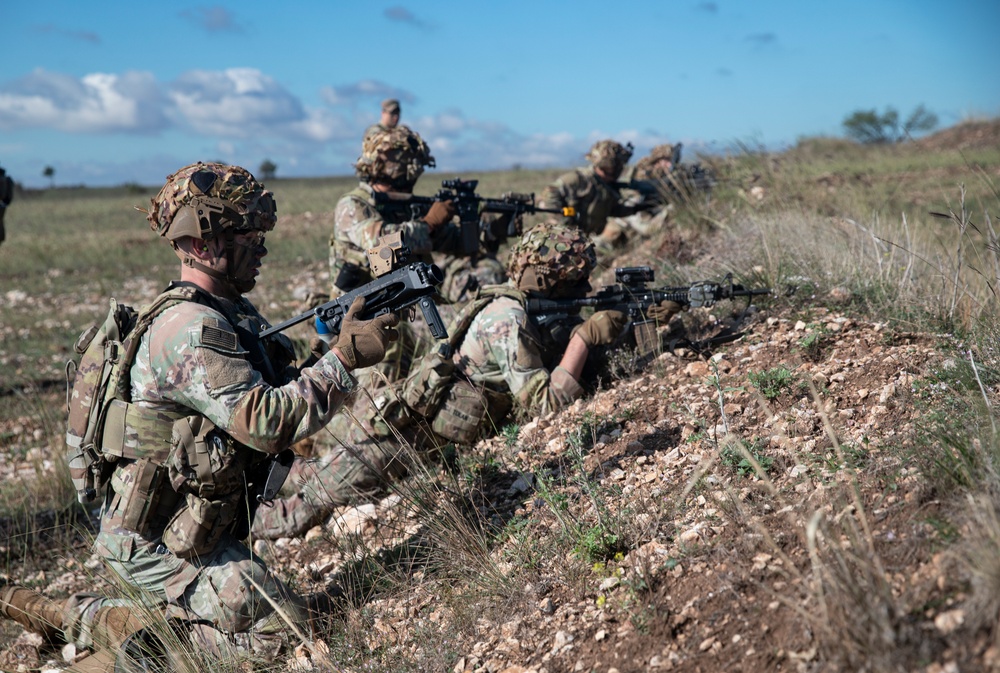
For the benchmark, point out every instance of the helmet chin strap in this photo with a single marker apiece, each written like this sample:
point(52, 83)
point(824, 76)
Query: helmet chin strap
point(241, 286)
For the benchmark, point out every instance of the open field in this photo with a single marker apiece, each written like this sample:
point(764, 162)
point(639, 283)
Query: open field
point(822, 494)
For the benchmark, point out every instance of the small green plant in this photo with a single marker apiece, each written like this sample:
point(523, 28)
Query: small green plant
point(737, 458)
point(510, 433)
point(772, 382)
point(598, 545)
point(811, 345)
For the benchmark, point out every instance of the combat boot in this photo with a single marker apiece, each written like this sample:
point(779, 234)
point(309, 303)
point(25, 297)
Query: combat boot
point(33, 611)
point(114, 625)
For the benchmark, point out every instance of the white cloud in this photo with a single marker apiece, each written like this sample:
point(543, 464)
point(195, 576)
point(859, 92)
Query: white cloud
point(237, 102)
point(246, 115)
point(96, 103)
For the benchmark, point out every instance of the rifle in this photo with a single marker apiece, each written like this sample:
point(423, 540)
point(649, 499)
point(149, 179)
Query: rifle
point(682, 182)
point(470, 207)
point(631, 295)
point(397, 287)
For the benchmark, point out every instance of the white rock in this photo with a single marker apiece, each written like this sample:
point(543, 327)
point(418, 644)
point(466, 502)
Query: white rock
point(947, 622)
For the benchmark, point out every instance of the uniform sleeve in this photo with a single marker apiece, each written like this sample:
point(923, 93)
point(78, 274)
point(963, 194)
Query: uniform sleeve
point(558, 194)
point(507, 346)
point(359, 225)
point(192, 357)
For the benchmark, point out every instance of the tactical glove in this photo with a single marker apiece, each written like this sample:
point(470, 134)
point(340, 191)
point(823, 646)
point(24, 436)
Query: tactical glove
point(362, 343)
point(663, 311)
point(602, 328)
point(439, 214)
point(496, 225)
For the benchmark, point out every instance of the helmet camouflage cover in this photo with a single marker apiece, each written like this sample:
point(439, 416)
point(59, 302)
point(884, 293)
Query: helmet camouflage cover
point(559, 253)
point(396, 155)
point(664, 151)
point(609, 155)
point(204, 199)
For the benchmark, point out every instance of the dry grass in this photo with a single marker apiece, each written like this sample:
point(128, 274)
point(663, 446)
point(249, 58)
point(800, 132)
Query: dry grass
point(828, 217)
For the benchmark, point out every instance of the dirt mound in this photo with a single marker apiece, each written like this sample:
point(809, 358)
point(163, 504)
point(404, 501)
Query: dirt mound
point(964, 136)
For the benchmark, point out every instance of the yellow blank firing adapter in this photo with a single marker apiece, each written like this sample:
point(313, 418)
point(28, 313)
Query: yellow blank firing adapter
point(569, 211)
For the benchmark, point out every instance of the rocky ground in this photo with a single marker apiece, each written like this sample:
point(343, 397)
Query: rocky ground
point(712, 568)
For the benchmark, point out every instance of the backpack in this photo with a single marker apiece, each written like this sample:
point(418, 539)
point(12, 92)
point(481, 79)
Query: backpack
point(101, 385)
point(433, 376)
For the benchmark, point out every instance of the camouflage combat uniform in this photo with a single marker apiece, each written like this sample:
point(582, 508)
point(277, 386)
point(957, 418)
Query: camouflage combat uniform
point(504, 353)
point(359, 223)
point(183, 367)
point(502, 362)
point(595, 198)
point(208, 402)
point(654, 181)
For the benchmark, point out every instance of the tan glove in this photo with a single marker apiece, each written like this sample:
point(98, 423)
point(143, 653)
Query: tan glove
point(362, 343)
point(663, 311)
point(602, 328)
point(439, 214)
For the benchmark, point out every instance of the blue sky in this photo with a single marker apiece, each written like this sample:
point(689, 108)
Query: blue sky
point(113, 92)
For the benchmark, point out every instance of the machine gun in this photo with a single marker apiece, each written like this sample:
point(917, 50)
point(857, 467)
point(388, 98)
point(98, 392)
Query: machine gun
point(631, 295)
point(397, 287)
point(471, 207)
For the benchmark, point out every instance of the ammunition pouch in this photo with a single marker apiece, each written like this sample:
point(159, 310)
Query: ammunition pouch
point(144, 497)
point(464, 409)
point(198, 525)
point(424, 390)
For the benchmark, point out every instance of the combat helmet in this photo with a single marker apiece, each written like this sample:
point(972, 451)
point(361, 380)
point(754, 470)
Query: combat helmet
point(552, 259)
point(206, 200)
point(609, 156)
point(395, 156)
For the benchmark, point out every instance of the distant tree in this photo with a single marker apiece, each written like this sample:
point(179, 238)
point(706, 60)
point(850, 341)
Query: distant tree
point(921, 119)
point(50, 173)
point(870, 128)
point(267, 169)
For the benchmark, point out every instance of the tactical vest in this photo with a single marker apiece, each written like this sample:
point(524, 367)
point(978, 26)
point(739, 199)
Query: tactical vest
point(349, 264)
point(456, 406)
point(183, 477)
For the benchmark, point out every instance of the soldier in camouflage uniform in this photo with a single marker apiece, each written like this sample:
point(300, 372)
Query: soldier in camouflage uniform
point(592, 190)
point(208, 402)
point(652, 174)
point(391, 162)
point(501, 361)
point(6, 196)
point(389, 118)
point(348, 466)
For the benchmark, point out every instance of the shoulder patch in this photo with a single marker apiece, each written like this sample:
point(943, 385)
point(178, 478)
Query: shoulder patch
point(218, 334)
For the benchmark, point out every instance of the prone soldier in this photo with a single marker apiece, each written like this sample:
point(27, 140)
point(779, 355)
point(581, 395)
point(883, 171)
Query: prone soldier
point(497, 361)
